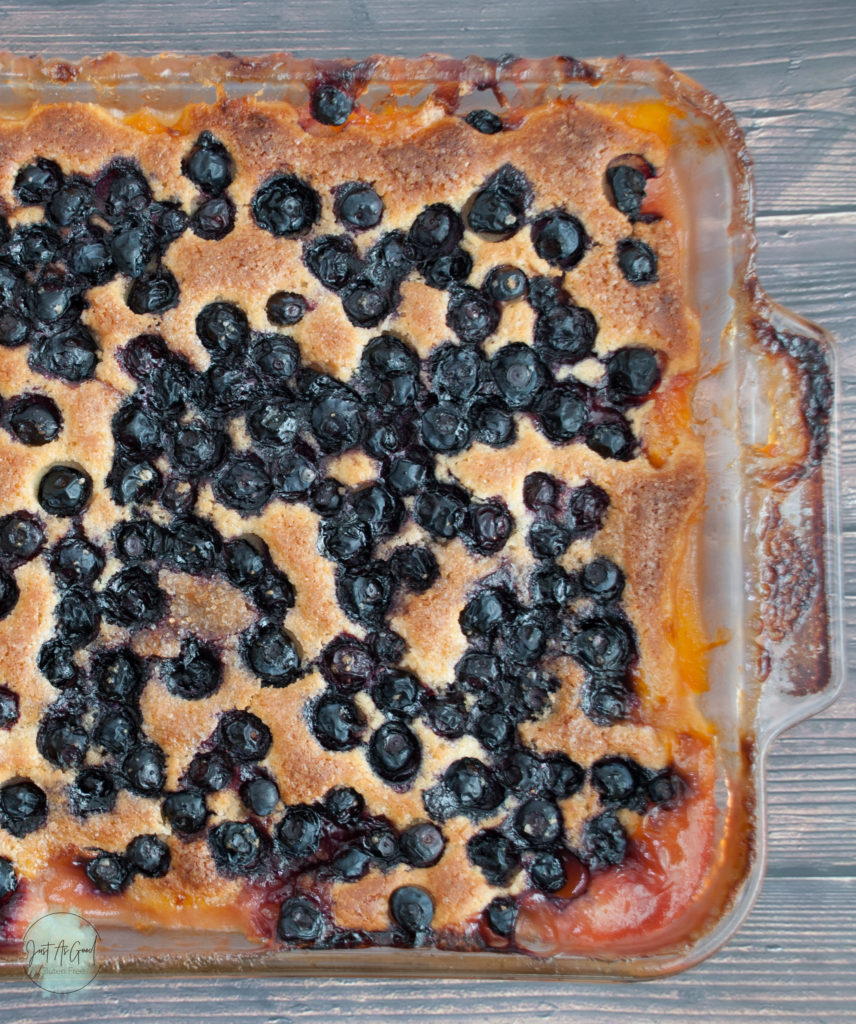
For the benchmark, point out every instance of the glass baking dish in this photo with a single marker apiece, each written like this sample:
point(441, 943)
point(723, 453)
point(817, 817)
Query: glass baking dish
point(764, 408)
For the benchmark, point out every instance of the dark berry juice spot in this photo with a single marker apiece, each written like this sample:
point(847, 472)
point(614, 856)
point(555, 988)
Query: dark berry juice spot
point(506, 283)
point(436, 231)
point(36, 183)
point(632, 374)
point(286, 309)
point(208, 165)
point(23, 807)
point(149, 855)
point(260, 795)
point(110, 873)
point(422, 845)
point(518, 374)
point(236, 847)
point(62, 741)
point(484, 121)
point(21, 538)
point(196, 673)
point(153, 292)
point(337, 722)
point(132, 598)
point(358, 206)
point(486, 611)
point(637, 261)
point(244, 736)
point(471, 314)
point(395, 753)
point(562, 412)
point(214, 219)
point(495, 855)
point(301, 921)
point(560, 239)
point(9, 707)
point(365, 595)
point(604, 841)
point(185, 811)
point(488, 527)
point(93, 792)
point(565, 333)
point(286, 206)
point(625, 186)
point(65, 490)
point(144, 768)
point(74, 560)
point(56, 663)
point(330, 104)
point(411, 908)
point(271, 654)
point(8, 878)
point(605, 645)
point(71, 356)
point(612, 439)
point(492, 425)
point(416, 567)
point(243, 483)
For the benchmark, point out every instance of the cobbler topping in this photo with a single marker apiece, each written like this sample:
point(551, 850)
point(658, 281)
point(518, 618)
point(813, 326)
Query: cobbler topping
point(466, 458)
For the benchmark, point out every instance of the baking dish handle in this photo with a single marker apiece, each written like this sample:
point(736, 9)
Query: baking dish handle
point(790, 436)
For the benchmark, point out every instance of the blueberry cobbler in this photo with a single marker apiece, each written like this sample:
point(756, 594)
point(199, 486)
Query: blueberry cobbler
point(349, 501)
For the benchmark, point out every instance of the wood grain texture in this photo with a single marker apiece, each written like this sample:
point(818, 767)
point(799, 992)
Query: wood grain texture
point(788, 70)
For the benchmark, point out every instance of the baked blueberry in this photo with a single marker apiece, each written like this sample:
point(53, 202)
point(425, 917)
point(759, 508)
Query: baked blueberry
point(301, 921)
point(345, 539)
point(586, 509)
point(154, 291)
point(562, 411)
point(541, 491)
point(365, 594)
point(486, 611)
point(149, 855)
point(294, 475)
point(488, 526)
point(495, 855)
point(14, 330)
point(493, 729)
point(196, 673)
point(478, 670)
point(440, 509)
point(395, 753)
point(88, 255)
point(169, 222)
point(538, 823)
point(62, 741)
point(602, 580)
point(445, 429)
point(33, 246)
point(236, 847)
point(77, 618)
point(110, 873)
point(133, 482)
point(92, 792)
point(416, 567)
point(548, 540)
point(367, 303)
point(498, 210)
point(604, 645)
point(564, 776)
point(501, 915)
point(468, 787)
point(435, 232)
point(441, 271)
point(605, 699)
point(55, 659)
point(333, 260)
point(455, 372)
point(271, 654)
point(411, 908)
point(518, 374)
point(620, 782)
point(139, 540)
point(260, 795)
point(612, 439)
point(337, 722)
point(8, 878)
point(344, 806)
point(626, 185)
point(195, 447)
point(36, 183)
point(300, 831)
point(286, 206)
point(74, 560)
point(336, 416)
point(144, 768)
point(547, 872)
point(136, 429)
point(422, 845)
point(132, 246)
point(71, 355)
point(208, 165)
point(447, 715)
point(65, 490)
point(244, 736)
point(286, 309)
point(565, 333)
point(551, 585)
point(632, 373)
point(637, 261)
point(330, 104)
point(21, 538)
point(506, 283)
point(471, 314)
point(185, 811)
point(406, 474)
point(210, 771)
point(213, 219)
point(381, 844)
point(122, 191)
point(223, 329)
point(380, 510)
point(492, 425)
point(666, 787)
point(52, 301)
point(358, 206)
point(560, 239)
point(23, 807)
point(484, 121)
point(347, 663)
point(132, 598)
point(243, 483)
point(9, 707)
point(115, 732)
point(604, 841)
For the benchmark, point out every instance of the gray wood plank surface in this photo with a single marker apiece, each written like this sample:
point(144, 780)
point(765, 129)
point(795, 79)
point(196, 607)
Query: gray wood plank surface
point(788, 70)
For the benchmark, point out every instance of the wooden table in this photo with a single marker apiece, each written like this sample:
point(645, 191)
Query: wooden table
point(788, 70)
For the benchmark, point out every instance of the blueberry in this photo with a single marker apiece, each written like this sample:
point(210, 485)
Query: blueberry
point(391, 257)
point(236, 847)
point(612, 439)
point(604, 645)
point(605, 700)
point(550, 585)
point(626, 184)
point(381, 440)
point(301, 921)
point(77, 617)
point(620, 782)
point(381, 844)
point(604, 841)
point(422, 845)
point(493, 730)
point(548, 540)
point(276, 356)
point(358, 206)
point(295, 475)
point(223, 329)
point(411, 908)
point(36, 183)
point(185, 811)
point(394, 753)
point(587, 508)
point(344, 806)
point(136, 429)
point(244, 736)
point(486, 611)
point(71, 355)
point(506, 283)
point(51, 301)
point(471, 314)
point(440, 509)
point(14, 330)
point(445, 428)
point(108, 872)
point(337, 722)
point(565, 333)
point(271, 654)
point(115, 732)
point(498, 210)
point(330, 104)
point(416, 567)
point(55, 659)
point(9, 707)
point(11, 283)
point(211, 771)
point(524, 773)
point(443, 270)
point(518, 374)
point(495, 855)
point(145, 769)
point(547, 872)
point(208, 165)
point(632, 374)
point(169, 222)
point(132, 598)
point(74, 560)
point(455, 372)
point(230, 387)
point(602, 580)
point(21, 538)
point(155, 291)
point(435, 232)
point(300, 831)
point(478, 670)
point(195, 447)
point(275, 594)
point(538, 823)
point(468, 787)
point(122, 191)
point(131, 247)
point(196, 673)
point(33, 246)
point(562, 411)
point(501, 915)
point(564, 776)
point(286, 309)
point(336, 416)
point(380, 510)
point(243, 483)
point(286, 206)
point(8, 878)
point(560, 239)
point(260, 795)
point(347, 663)
point(666, 787)
point(149, 855)
point(133, 482)
point(484, 121)
point(333, 260)
point(213, 219)
point(492, 425)
point(387, 356)
point(93, 792)
point(367, 304)
point(23, 807)
point(365, 594)
point(637, 261)
point(406, 474)
point(62, 741)
point(541, 491)
point(447, 715)
point(88, 254)
point(139, 540)
point(488, 526)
